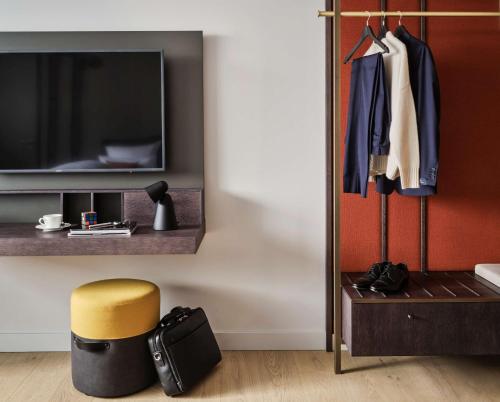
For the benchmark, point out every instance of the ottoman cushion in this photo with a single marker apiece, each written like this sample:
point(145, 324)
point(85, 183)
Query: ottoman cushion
point(114, 308)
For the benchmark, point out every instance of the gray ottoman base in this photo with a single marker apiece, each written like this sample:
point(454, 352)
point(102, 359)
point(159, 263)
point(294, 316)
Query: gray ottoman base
point(111, 368)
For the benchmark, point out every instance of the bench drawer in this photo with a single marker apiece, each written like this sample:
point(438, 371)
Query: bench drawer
point(429, 328)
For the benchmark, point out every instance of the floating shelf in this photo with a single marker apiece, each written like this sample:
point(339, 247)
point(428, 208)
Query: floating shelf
point(22, 239)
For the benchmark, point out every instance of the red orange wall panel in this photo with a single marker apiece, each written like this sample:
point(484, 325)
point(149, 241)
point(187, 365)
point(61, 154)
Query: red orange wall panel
point(464, 218)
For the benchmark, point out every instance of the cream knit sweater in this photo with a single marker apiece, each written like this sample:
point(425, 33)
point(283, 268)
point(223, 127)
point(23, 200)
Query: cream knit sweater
point(403, 160)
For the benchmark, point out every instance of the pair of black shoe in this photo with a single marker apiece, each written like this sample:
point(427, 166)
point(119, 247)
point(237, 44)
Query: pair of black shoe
point(384, 277)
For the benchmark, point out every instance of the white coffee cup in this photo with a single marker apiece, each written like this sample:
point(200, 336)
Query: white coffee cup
point(52, 221)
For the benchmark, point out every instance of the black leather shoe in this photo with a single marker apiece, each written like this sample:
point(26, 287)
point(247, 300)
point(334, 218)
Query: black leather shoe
point(371, 276)
point(393, 279)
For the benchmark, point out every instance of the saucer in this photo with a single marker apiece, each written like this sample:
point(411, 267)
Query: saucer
point(62, 227)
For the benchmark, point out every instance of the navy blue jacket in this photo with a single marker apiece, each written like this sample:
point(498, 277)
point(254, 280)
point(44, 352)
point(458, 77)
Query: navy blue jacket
point(425, 88)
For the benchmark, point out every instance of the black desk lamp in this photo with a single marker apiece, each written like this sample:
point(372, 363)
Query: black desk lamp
point(165, 213)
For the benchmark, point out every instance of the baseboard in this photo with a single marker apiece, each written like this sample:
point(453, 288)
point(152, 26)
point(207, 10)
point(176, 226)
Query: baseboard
point(271, 340)
point(228, 340)
point(34, 342)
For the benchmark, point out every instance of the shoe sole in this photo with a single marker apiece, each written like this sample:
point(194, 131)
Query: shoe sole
point(404, 284)
point(361, 287)
point(378, 290)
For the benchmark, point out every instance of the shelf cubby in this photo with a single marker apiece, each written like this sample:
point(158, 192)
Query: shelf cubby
point(74, 204)
point(28, 208)
point(108, 206)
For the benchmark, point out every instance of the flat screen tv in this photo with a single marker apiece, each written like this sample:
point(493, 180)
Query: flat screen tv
point(82, 111)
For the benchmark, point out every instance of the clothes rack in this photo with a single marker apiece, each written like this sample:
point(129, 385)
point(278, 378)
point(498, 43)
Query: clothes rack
point(333, 272)
point(423, 200)
point(384, 247)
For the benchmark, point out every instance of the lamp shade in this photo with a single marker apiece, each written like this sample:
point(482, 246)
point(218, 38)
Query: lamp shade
point(157, 190)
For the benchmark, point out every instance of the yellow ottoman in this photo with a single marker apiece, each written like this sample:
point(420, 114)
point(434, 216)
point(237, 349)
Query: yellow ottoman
point(110, 323)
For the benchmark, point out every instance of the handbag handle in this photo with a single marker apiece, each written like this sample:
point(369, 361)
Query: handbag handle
point(91, 346)
point(176, 315)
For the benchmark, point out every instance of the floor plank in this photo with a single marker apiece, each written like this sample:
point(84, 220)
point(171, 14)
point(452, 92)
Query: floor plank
point(14, 369)
point(279, 376)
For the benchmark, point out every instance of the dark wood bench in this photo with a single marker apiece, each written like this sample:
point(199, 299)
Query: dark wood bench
point(439, 313)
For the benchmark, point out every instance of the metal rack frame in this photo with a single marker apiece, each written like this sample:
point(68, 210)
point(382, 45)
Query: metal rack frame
point(333, 127)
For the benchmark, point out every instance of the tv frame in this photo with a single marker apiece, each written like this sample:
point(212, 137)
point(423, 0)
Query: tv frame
point(119, 170)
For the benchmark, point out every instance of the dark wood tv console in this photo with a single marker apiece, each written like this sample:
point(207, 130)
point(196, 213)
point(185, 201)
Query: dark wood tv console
point(439, 313)
point(22, 239)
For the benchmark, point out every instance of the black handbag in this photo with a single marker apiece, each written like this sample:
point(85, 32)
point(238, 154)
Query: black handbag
point(184, 349)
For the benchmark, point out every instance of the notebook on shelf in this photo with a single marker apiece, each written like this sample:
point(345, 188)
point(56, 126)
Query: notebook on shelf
point(124, 230)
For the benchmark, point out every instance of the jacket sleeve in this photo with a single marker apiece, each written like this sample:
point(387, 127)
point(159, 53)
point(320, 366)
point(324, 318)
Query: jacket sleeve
point(381, 114)
point(429, 116)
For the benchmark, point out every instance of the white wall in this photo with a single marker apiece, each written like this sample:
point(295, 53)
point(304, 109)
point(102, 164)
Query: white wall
point(260, 270)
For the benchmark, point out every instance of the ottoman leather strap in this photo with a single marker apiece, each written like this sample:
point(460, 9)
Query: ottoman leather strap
point(90, 346)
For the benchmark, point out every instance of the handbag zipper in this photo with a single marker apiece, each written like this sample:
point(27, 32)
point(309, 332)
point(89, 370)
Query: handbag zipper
point(157, 355)
point(172, 368)
point(157, 344)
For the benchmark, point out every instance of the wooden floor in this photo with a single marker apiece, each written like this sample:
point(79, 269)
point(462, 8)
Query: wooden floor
point(280, 376)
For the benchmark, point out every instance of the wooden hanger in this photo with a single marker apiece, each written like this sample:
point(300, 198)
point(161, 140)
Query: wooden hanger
point(366, 33)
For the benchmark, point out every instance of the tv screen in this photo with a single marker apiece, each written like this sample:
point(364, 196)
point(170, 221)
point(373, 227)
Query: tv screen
point(74, 111)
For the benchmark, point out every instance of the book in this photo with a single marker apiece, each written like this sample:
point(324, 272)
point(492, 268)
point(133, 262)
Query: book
point(125, 230)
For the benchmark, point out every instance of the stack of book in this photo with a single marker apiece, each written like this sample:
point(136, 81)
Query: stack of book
point(105, 230)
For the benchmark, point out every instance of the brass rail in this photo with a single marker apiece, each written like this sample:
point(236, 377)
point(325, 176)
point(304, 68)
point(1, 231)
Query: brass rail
point(411, 13)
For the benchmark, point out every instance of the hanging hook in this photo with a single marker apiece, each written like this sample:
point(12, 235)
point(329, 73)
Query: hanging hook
point(369, 16)
point(400, 17)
